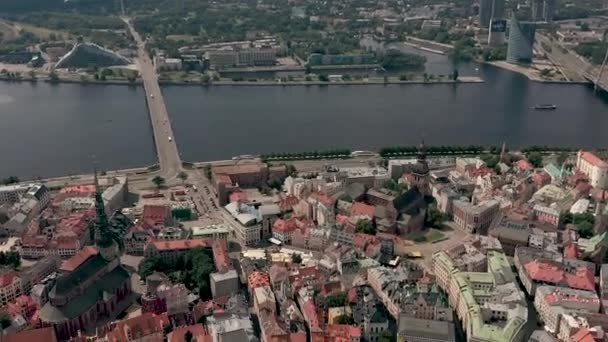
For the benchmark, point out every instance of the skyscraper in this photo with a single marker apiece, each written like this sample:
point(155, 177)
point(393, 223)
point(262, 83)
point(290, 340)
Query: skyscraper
point(543, 10)
point(490, 9)
point(521, 41)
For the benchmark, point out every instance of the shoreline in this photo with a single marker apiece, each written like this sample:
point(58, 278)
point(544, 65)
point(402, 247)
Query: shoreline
point(527, 73)
point(138, 83)
point(144, 172)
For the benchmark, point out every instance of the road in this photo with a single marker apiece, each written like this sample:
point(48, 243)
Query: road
point(574, 67)
point(166, 148)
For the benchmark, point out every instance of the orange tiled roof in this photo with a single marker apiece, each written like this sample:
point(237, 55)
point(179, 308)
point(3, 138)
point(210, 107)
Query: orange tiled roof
point(258, 279)
point(199, 334)
point(362, 209)
point(7, 278)
point(544, 272)
point(72, 263)
point(43, 334)
point(593, 159)
point(220, 256)
point(583, 279)
point(181, 244)
point(141, 326)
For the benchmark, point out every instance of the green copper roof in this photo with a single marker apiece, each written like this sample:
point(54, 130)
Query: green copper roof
point(91, 295)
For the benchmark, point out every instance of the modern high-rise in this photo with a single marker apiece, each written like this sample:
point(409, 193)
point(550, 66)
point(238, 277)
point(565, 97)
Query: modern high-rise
point(543, 10)
point(521, 41)
point(490, 9)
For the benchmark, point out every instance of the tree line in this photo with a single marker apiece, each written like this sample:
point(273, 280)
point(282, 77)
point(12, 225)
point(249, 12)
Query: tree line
point(432, 150)
point(336, 153)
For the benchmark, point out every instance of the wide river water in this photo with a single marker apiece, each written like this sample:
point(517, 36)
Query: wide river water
point(50, 130)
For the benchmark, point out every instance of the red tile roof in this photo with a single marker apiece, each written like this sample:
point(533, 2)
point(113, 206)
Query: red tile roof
point(238, 196)
point(593, 159)
point(544, 272)
point(323, 198)
point(7, 278)
point(258, 279)
point(199, 334)
point(289, 225)
point(341, 333)
point(524, 165)
point(83, 255)
point(583, 279)
point(181, 244)
point(220, 256)
point(141, 326)
point(362, 209)
point(310, 313)
point(582, 335)
point(35, 335)
point(156, 214)
point(78, 189)
point(571, 251)
point(288, 202)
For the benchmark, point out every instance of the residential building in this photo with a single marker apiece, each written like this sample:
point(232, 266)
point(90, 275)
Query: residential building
point(214, 231)
point(511, 235)
point(230, 328)
point(413, 329)
point(40, 270)
point(552, 302)
point(146, 327)
point(475, 219)
point(10, 286)
point(42, 334)
point(545, 272)
point(223, 284)
point(11, 193)
point(170, 251)
point(489, 304)
point(368, 312)
point(594, 168)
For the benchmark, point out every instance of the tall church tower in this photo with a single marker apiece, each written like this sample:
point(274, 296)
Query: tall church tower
point(420, 172)
point(106, 246)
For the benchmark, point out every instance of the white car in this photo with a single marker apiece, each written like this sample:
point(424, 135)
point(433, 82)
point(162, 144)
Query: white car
point(151, 96)
point(170, 139)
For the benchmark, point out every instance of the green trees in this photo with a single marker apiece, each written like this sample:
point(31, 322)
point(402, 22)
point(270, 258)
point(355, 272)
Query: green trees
point(207, 170)
point(296, 258)
point(192, 269)
point(11, 259)
point(366, 227)
point(158, 181)
point(398, 60)
point(182, 176)
point(53, 77)
point(345, 319)
point(594, 51)
point(536, 159)
point(335, 301)
point(434, 217)
point(5, 320)
point(10, 180)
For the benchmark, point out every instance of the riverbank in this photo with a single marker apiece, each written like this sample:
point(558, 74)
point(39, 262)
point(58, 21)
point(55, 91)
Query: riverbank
point(532, 73)
point(375, 81)
point(264, 83)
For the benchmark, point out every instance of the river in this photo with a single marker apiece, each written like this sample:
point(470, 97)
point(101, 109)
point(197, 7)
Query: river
point(53, 130)
point(50, 130)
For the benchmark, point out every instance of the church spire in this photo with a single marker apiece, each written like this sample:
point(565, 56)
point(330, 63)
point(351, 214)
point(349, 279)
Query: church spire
point(103, 239)
point(422, 152)
point(101, 219)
